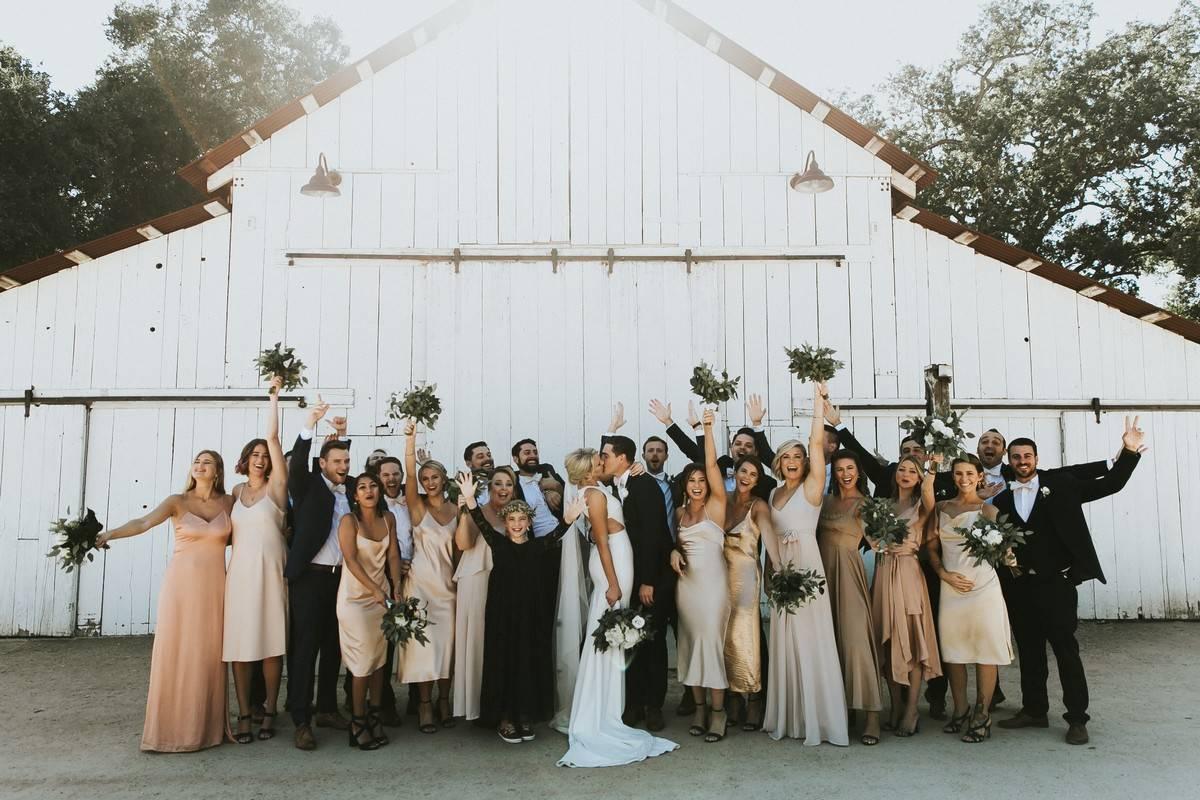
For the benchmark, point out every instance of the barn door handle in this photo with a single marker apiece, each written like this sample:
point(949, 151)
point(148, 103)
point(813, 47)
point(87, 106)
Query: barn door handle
point(1096, 408)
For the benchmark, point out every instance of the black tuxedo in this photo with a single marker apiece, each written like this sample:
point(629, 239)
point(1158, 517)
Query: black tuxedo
point(312, 590)
point(1057, 556)
point(694, 451)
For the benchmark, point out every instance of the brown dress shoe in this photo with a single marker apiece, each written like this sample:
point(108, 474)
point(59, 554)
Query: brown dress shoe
point(654, 719)
point(1024, 720)
point(1077, 733)
point(304, 738)
point(333, 719)
point(631, 717)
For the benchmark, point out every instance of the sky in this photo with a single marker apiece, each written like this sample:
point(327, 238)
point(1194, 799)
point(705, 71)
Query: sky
point(830, 47)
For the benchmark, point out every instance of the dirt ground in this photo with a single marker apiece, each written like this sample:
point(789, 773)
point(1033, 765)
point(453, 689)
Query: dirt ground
point(74, 709)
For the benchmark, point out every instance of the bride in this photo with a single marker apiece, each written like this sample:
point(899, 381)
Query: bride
point(598, 738)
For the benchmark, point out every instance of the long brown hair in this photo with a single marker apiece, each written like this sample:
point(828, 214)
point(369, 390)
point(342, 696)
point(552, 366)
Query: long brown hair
point(243, 463)
point(916, 462)
point(218, 482)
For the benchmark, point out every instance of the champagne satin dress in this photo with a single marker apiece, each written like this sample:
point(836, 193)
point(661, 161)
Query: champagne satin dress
point(900, 606)
point(431, 578)
point(185, 707)
point(703, 605)
point(255, 591)
point(363, 645)
point(743, 636)
point(839, 534)
point(973, 625)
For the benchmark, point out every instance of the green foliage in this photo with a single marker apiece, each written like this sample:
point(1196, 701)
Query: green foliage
point(789, 588)
point(881, 521)
point(991, 542)
point(420, 404)
point(813, 364)
point(939, 434)
point(1084, 150)
point(282, 362)
point(75, 540)
point(406, 622)
point(711, 389)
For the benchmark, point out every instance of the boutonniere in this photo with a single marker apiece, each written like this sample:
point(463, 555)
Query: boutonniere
point(1045, 491)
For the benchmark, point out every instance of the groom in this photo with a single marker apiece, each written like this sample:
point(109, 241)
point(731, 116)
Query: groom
point(653, 582)
point(1058, 556)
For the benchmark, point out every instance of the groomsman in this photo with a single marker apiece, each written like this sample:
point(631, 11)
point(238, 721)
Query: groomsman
point(478, 458)
point(654, 455)
point(1057, 557)
point(313, 571)
point(748, 441)
point(653, 580)
point(540, 486)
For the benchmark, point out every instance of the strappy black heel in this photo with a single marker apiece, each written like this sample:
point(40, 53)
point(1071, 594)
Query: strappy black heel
point(375, 726)
point(358, 726)
point(426, 725)
point(243, 737)
point(956, 723)
point(980, 729)
point(266, 728)
point(699, 720)
point(718, 724)
point(904, 732)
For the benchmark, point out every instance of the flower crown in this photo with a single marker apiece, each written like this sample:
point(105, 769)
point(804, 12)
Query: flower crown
point(517, 507)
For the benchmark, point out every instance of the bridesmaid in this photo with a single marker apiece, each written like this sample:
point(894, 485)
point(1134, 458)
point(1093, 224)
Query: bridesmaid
point(900, 603)
point(839, 534)
point(255, 591)
point(430, 578)
point(745, 517)
point(185, 707)
point(972, 617)
point(471, 607)
point(367, 539)
point(804, 697)
point(700, 596)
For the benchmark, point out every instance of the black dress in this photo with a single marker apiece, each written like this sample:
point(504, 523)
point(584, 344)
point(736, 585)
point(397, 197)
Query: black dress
point(518, 660)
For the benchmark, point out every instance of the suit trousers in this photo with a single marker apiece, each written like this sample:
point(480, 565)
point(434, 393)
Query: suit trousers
point(1044, 610)
point(312, 607)
point(646, 677)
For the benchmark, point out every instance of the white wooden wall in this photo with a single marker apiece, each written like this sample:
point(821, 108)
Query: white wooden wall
point(617, 132)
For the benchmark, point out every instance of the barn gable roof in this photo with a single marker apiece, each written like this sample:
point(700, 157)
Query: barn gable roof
point(211, 172)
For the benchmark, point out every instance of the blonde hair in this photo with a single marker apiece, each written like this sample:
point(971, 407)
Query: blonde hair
point(218, 482)
point(783, 448)
point(916, 462)
point(579, 464)
point(439, 467)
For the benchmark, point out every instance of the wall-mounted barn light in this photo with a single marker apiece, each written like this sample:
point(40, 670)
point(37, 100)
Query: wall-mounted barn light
point(324, 182)
point(812, 180)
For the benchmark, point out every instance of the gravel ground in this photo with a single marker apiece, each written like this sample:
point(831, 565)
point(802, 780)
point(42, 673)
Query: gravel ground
point(76, 708)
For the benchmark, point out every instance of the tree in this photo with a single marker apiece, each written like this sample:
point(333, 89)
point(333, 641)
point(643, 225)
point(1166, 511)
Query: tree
point(184, 77)
point(1086, 152)
point(34, 190)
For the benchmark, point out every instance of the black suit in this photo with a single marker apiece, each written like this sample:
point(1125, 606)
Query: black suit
point(650, 539)
point(694, 451)
point(312, 591)
point(1042, 601)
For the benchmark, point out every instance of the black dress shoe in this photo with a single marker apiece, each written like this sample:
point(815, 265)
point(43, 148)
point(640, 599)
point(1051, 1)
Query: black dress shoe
point(998, 698)
point(937, 709)
point(1024, 719)
point(654, 719)
point(687, 704)
point(1077, 733)
point(631, 717)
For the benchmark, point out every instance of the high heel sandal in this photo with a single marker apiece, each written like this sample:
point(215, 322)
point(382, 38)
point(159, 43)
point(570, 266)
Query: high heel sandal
point(699, 720)
point(358, 726)
point(754, 714)
point(718, 723)
point(956, 723)
point(243, 737)
point(447, 719)
point(265, 730)
point(375, 727)
point(979, 730)
point(904, 732)
point(426, 724)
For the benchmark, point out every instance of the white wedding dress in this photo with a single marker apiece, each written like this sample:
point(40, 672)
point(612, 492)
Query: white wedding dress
point(597, 736)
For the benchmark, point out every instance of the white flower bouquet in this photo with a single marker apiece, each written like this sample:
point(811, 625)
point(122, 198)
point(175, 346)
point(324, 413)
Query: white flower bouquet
point(622, 628)
point(406, 622)
point(939, 434)
point(992, 541)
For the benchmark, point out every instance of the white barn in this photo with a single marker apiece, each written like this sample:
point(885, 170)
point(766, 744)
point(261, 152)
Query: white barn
point(545, 211)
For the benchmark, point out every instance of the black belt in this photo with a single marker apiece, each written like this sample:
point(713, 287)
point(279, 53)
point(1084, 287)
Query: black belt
point(326, 569)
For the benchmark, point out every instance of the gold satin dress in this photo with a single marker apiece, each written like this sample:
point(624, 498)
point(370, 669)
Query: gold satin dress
point(743, 636)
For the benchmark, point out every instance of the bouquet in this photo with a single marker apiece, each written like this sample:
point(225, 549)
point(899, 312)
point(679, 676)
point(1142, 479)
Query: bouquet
point(813, 364)
point(282, 362)
point(419, 404)
point(882, 523)
point(622, 628)
point(991, 540)
point(711, 389)
point(76, 540)
point(788, 589)
point(939, 434)
point(406, 621)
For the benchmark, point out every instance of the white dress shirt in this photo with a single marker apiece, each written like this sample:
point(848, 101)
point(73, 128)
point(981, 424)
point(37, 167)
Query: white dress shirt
point(404, 537)
point(330, 554)
point(544, 520)
point(620, 485)
point(1024, 494)
point(993, 476)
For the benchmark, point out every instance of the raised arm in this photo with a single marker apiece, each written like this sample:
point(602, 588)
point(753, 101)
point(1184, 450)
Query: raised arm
point(395, 568)
point(814, 484)
point(467, 532)
point(928, 494)
point(301, 463)
point(682, 440)
point(160, 514)
point(278, 485)
point(716, 480)
point(1122, 470)
point(416, 503)
point(757, 412)
point(876, 472)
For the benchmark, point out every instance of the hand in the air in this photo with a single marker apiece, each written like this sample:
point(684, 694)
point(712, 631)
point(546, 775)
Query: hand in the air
point(693, 417)
point(317, 412)
point(661, 412)
point(1134, 436)
point(466, 489)
point(574, 509)
point(755, 410)
point(410, 427)
point(276, 385)
point(618, 418)
point(709, 419)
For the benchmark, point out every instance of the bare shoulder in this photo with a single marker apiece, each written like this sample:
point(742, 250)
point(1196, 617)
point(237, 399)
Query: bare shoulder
point(989, 512)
